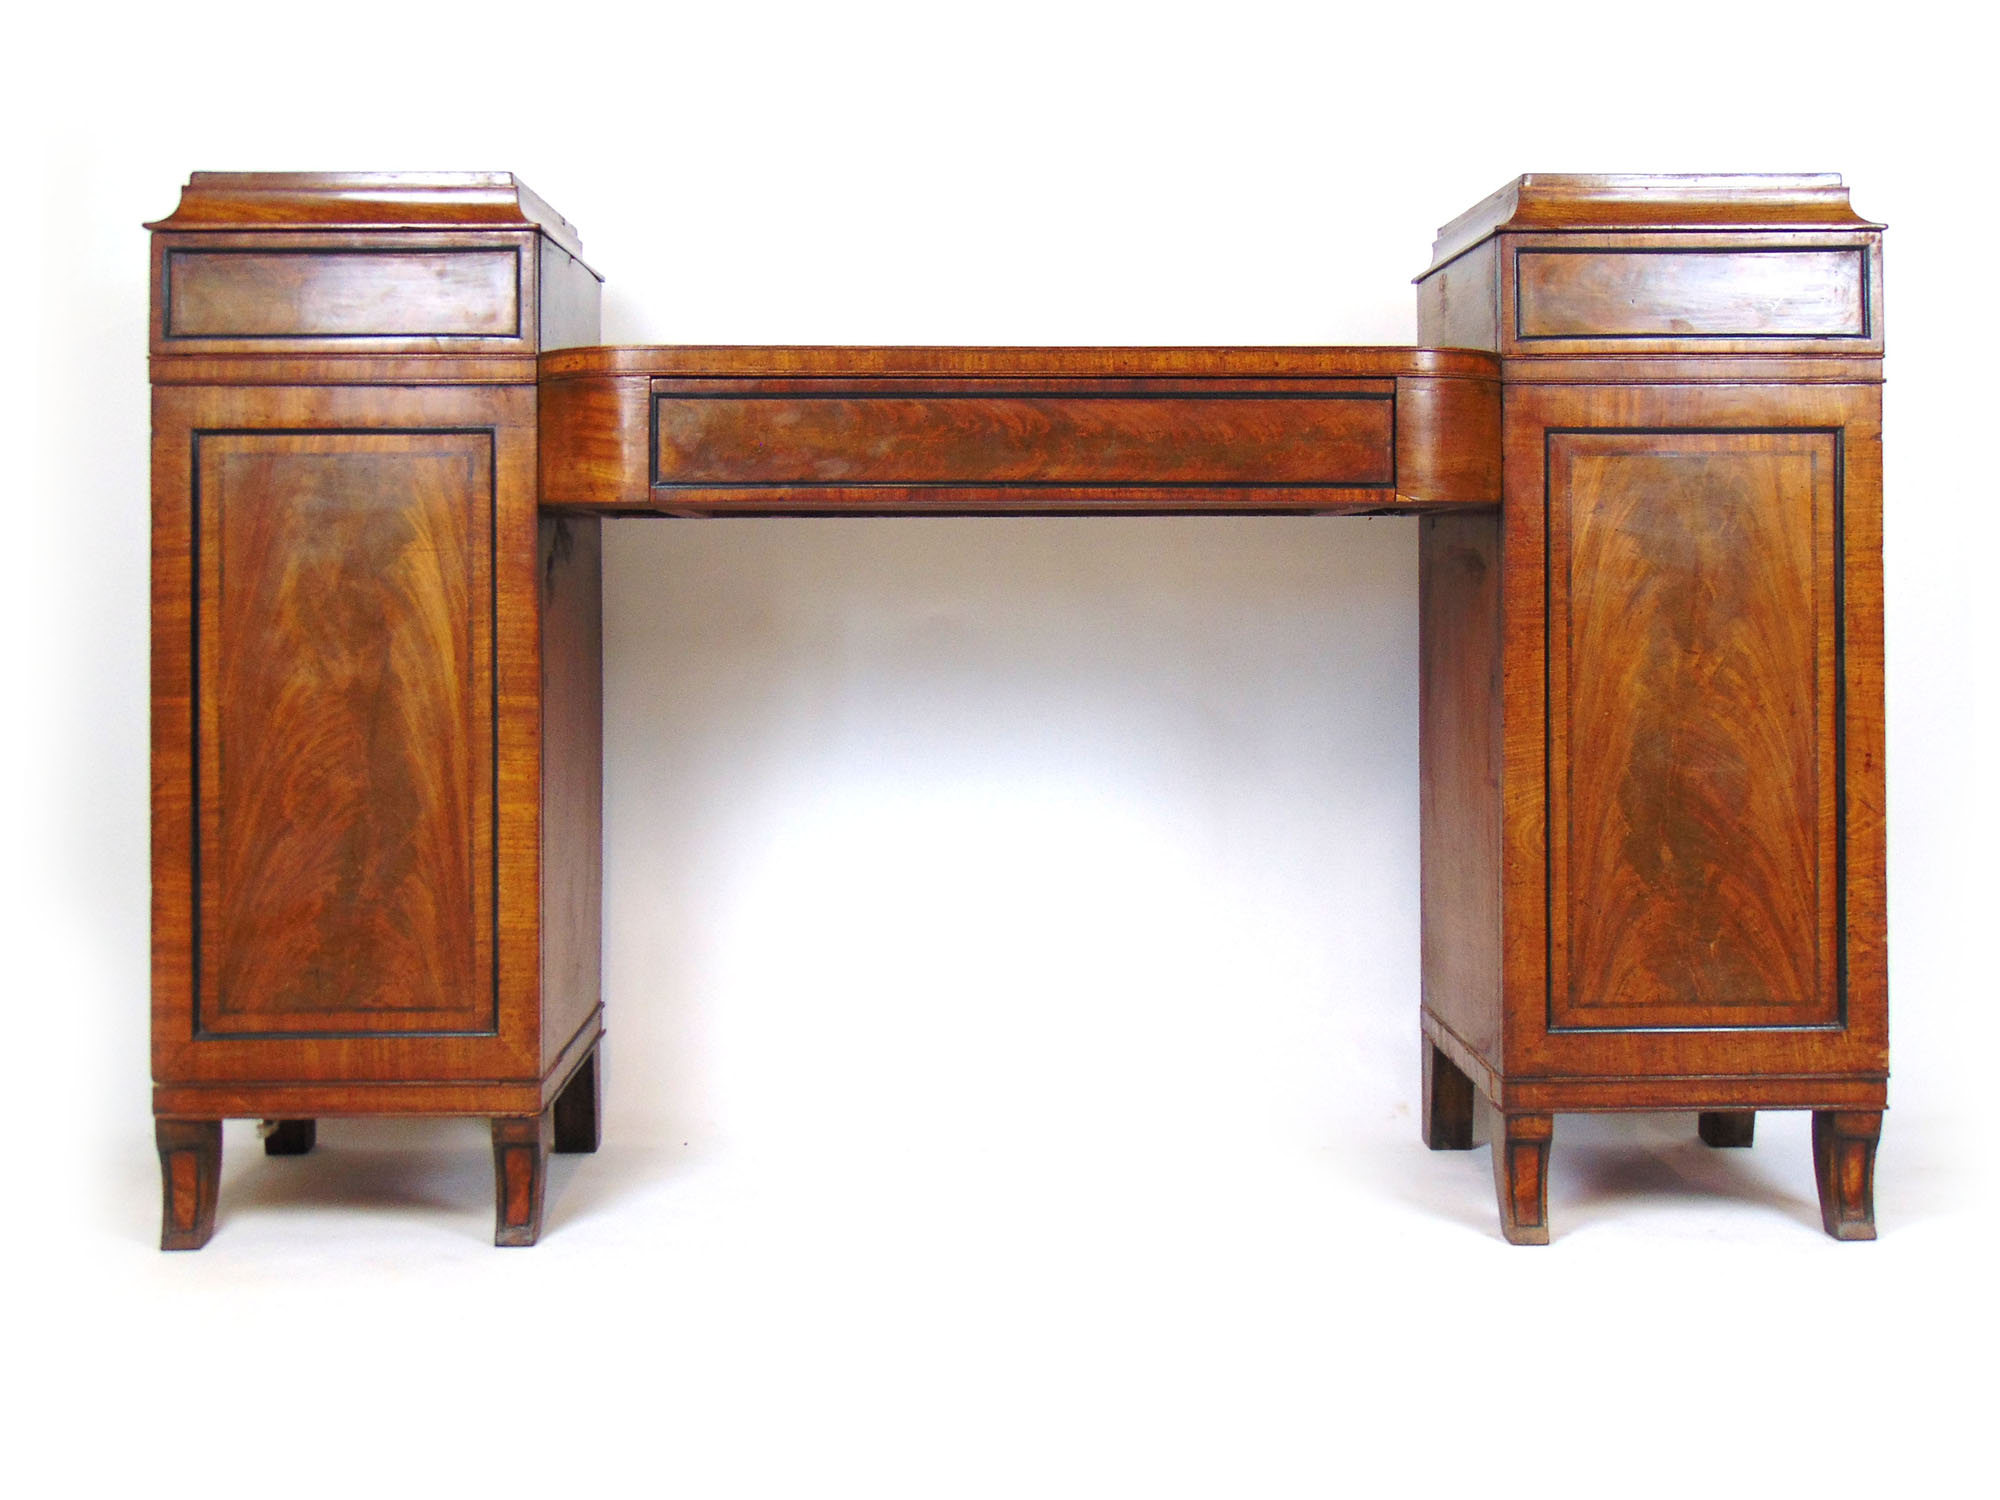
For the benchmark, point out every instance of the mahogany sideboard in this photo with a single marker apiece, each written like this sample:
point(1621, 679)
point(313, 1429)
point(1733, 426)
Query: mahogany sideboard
point(1643, 437)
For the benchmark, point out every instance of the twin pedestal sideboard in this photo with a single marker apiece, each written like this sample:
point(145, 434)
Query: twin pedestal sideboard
point(1643, 437)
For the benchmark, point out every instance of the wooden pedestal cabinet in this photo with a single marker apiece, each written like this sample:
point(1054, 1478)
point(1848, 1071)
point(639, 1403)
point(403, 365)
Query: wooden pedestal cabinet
point(375, 676)
point(1652, 682)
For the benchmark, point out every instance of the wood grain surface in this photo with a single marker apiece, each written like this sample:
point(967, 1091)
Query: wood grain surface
point(1651, 636)
point(1023, 440)
point(1693, 728)
point(1649, 293)
point(245, 294)
point(397, 623)
point(346, 677)
point(768, 431)
point(1805, 1054)
point(1459, 774)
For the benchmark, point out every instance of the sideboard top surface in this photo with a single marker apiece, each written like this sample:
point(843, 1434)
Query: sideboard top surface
point(1286, 362)
point(366, 200)
point(1542, 202)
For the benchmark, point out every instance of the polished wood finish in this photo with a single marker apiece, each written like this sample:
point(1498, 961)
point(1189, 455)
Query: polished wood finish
point(494, 1034)
point(1679, 294)
point(1521, 1176)
point(705, 441)
point(520, 1177)
point(413, 1095)
point(190, 1172)
point(1447, 442)
point(307, 294)
point(1727, 1127)
point(1844, 1166)
point(428, 299)
point(1169, 365)
point(345, 690)
point(1460, 693)
point(1650, 637)
point(375, 668)
point(1692, 729)
point(1537, 770)
point(370, 201)
point(569, 567)
point(1674, 796)
point(1671, 202)
point(756, 431)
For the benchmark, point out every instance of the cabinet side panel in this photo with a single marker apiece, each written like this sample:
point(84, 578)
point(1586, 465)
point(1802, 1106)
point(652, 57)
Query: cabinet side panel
point(1458, 305)
point(571, 298)
point(1459, 737)
point(572, 776)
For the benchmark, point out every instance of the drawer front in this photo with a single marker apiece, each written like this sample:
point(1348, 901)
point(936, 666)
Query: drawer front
point(1029, 441)
point(221, 294)
point(1691, 294)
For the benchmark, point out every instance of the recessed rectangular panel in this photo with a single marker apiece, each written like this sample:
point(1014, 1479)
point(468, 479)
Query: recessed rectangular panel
point(1693, 639)
point(333, 294)
point(1674, 294)
point(850, 440)
point(345, 735)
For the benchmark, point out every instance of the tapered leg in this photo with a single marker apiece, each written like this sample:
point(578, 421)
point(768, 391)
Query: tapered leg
point(579, 1107)
point(290, 1137)
point(1521, 1176)
point(1844, 1163)
point(520, 1173)
point(1447, 1108)
point(190, 1170)
point(1728, 1127)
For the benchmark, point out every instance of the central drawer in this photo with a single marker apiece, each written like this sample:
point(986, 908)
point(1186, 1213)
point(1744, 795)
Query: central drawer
point(1072, 440)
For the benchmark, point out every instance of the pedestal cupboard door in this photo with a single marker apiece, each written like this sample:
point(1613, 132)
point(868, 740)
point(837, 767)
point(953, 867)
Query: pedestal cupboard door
point(1694, 711)
point(344, 743)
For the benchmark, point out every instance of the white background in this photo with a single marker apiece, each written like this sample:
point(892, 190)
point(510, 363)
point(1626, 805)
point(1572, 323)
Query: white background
point(1010, 926)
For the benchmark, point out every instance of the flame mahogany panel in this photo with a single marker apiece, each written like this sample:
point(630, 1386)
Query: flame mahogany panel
point(346, 764)
point(1042, 439)
point(1692, 678)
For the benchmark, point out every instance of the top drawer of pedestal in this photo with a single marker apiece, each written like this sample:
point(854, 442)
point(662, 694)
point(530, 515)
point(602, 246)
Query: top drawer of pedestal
point(1744, 293)
point(414, 289)
point(1618, 266)
point(1638, 292)
point(455, 267)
